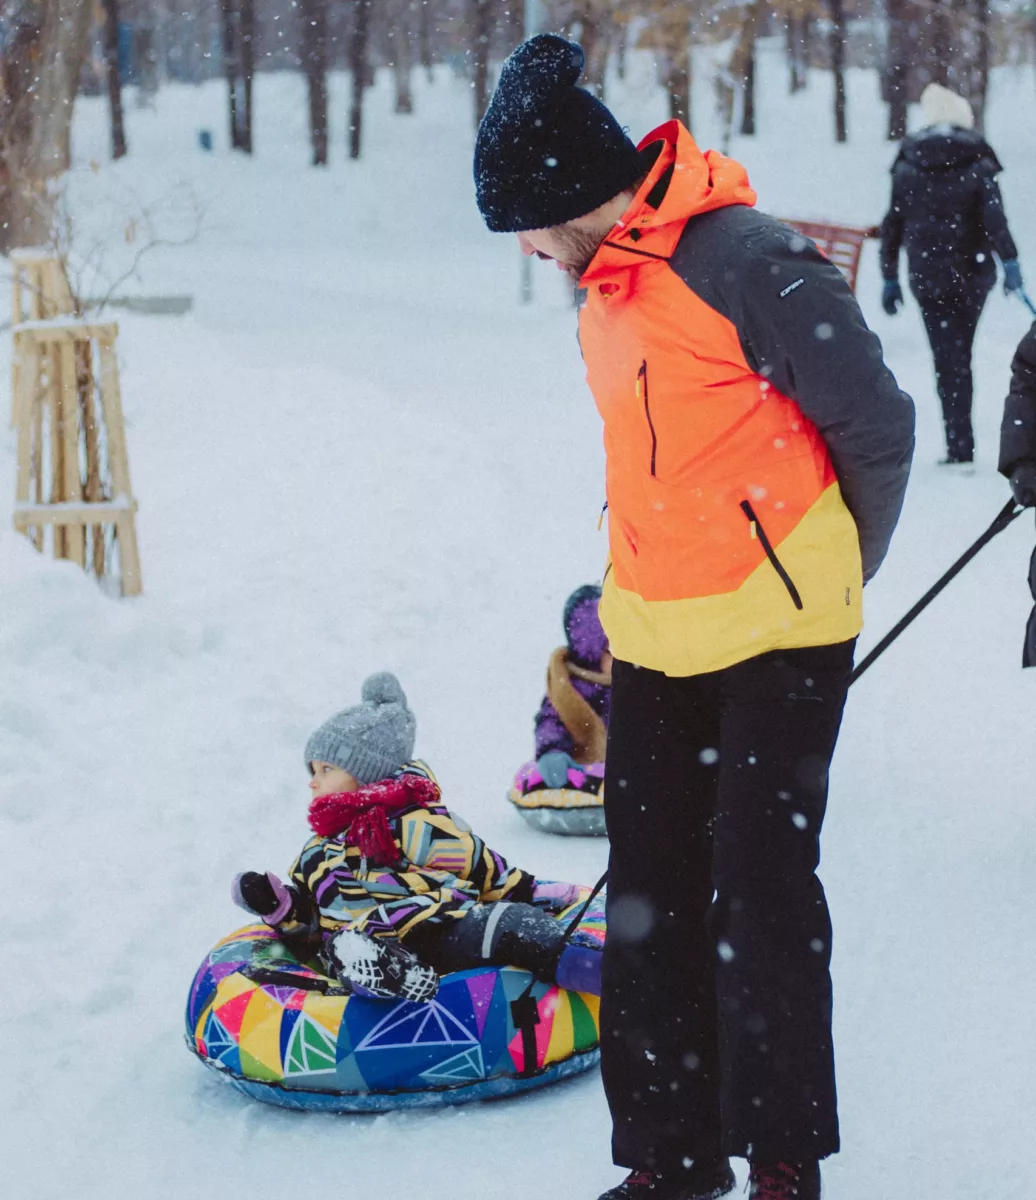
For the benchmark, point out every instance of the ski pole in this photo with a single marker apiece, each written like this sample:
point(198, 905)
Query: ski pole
point(1004, 518)
point(1023, 295)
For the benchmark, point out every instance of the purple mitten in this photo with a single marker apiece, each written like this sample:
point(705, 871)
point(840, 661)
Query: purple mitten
point(263, 895)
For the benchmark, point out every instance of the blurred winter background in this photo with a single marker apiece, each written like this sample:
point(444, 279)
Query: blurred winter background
point(359, 438)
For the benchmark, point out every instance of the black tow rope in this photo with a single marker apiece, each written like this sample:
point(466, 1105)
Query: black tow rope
point(524, 1010)
point(1003, 518)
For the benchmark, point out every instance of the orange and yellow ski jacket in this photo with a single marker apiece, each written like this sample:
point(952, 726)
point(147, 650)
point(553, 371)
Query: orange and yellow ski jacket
point(757, 446)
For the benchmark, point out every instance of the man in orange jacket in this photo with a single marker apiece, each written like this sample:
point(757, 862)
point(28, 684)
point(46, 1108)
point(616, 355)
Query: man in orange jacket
point(757, 455)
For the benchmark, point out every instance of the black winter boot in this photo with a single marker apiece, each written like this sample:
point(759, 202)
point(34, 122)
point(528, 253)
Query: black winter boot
point(704, 1179)
point(784, 1181)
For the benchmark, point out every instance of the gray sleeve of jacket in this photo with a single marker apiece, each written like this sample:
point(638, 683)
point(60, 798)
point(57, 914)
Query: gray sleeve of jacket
point(801, 328)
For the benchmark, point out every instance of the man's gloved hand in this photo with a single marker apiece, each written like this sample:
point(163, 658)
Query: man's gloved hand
point(892, 297)
point(555, 895)
point(1012, 276)
point(262, 895)
point(554, 767)
point(1023, 483)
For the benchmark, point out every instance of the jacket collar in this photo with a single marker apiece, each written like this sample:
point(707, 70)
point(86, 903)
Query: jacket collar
point(682, 183)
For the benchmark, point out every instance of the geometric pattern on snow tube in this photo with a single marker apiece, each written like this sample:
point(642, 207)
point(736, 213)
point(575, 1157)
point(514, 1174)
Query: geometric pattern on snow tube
point(576, 810)
point(280, 1031)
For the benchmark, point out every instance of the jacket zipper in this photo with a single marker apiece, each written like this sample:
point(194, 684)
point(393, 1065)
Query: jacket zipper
point(642, 393)
point(771, 554)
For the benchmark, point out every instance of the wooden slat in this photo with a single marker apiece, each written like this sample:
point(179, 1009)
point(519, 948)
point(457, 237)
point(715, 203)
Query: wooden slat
point(66, 329)
point(106, 512)
point(72, 482)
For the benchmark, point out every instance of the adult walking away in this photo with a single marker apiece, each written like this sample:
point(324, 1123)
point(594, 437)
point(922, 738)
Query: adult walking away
point(757, 454)
point(1018, 454)
point(947, 212)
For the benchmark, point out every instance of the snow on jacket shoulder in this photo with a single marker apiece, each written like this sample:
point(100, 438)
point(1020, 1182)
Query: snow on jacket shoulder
point(1018, 431)
point(445, 868)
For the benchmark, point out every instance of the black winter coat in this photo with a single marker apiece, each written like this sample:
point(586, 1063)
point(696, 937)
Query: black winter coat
point(1018, 431)
point(947, 211)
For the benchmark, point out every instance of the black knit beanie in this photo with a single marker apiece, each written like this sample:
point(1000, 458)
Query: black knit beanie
point(547, 151)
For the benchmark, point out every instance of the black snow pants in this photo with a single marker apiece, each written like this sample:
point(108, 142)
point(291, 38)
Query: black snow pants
point(503, 933)
point(716, 1005)
point(951, 321)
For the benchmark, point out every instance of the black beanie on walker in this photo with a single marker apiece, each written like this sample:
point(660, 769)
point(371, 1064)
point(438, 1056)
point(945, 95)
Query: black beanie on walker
point(547, 151)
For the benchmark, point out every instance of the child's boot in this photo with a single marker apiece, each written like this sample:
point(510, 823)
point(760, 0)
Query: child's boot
point(380, 969)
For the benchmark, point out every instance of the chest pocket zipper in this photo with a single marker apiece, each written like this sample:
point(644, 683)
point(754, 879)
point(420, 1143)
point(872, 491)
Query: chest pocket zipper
point(771, 554)
point(642, 395)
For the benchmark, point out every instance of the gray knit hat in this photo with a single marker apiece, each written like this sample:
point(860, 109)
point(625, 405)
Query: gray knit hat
point(374, 739)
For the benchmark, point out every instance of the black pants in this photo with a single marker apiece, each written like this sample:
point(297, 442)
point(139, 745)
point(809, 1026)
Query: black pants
point(503, 934)
point(716, 1007)
point(951, 320)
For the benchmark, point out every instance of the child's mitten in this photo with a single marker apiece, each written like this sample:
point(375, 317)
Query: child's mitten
point(554, 767)
point(380, 969)
point(555, 895)
point(263, 895)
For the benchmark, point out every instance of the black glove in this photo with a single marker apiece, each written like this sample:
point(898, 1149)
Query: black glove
point(891, 297)
point(264, 895)
point(1023, 483)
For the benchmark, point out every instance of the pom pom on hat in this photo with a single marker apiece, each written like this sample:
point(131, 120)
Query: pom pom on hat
point(382, 688)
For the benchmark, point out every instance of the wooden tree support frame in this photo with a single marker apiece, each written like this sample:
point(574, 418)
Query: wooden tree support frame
point(73, 469)
point(842, 244)
point(39, 291)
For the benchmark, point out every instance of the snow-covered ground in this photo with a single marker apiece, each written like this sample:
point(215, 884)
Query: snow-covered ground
point(359, 451)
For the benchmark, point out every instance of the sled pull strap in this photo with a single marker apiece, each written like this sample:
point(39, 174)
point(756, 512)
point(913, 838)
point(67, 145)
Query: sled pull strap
point(1004, 518)
point(524, 1010)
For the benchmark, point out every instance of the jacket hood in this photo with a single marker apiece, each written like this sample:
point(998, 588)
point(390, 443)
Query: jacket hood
point(683, 182)
point(943, 148)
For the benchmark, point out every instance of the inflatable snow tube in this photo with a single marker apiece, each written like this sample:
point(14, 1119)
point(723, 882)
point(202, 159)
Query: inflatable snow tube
point(576, 810)
point(278, 1030)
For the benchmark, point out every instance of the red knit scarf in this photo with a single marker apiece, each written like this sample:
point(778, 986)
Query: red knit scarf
point(363, 815)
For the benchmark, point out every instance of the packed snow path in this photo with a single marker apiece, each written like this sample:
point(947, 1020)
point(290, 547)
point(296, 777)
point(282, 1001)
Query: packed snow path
point(359, 452)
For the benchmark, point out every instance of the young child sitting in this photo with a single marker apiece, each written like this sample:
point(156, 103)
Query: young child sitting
point(393, 889)
point(572, 721)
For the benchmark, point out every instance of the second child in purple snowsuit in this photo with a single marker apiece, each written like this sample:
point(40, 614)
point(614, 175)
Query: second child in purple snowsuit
point(574, 737)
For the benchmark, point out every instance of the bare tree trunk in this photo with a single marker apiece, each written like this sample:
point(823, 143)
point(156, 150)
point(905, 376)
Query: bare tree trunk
point(360, 68)
point(314, 61)
point(622, 38)
point(480, 16)
point(111, 55)
point(897, 68)
point(39, 79)
point(745, 53)
point(942, 42)
point(228, 11)
point(595, 42)
point(401, 18)
point(982, 72)
point(838, 66)
point(679, 74)
point(425, 38)
point(247, 69)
